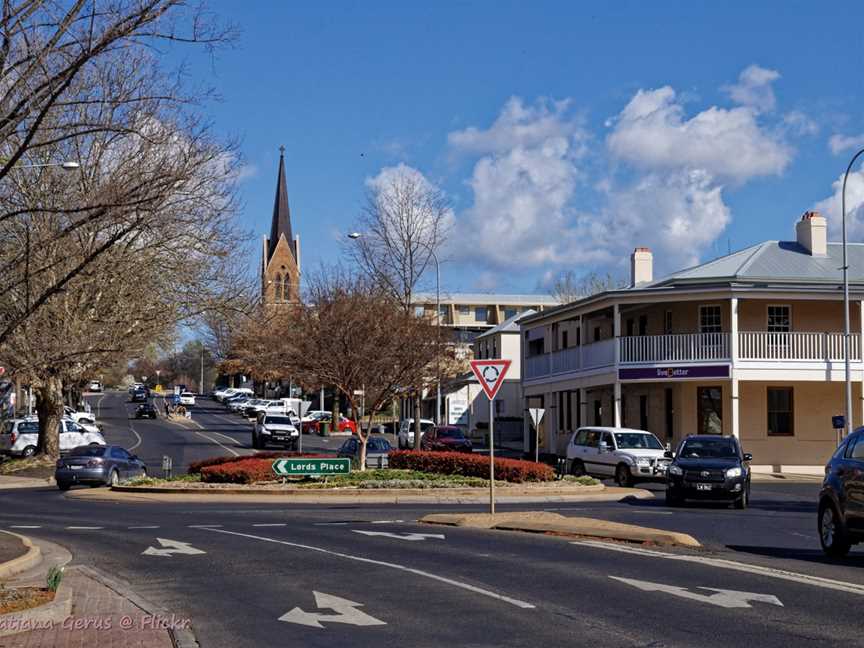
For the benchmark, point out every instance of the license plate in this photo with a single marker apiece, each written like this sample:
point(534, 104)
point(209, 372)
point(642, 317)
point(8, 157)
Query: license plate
point(703, 487)
point(76, 467)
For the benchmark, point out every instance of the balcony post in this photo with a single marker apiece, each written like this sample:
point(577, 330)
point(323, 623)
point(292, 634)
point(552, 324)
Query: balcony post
point(733, 355)
point(617, 335)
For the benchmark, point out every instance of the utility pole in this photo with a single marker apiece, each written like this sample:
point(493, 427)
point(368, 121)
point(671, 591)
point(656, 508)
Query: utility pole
point(201, 382)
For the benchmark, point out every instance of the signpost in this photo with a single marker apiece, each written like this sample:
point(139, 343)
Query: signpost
point(490, 374)
point(311, 467)
point(536, 414)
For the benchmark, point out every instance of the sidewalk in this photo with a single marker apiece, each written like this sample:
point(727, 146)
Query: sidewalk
point(8, 482)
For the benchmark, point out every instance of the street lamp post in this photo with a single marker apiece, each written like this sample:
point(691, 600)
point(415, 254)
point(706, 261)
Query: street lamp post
point(356, 235)
point(846, 331)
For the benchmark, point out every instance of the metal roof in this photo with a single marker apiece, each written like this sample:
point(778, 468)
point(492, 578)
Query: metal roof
point(484, 299)
point(510, 325)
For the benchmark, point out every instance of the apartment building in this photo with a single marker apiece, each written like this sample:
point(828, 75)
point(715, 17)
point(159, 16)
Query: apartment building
point(750, 344)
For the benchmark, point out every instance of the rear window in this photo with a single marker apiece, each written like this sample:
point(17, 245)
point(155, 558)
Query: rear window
point(88, 451)
point(28, 427)
point(378, 445)
point(450, 433)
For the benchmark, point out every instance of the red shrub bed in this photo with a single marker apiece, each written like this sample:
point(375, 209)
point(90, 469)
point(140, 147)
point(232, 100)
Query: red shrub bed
point(239, 471)
point(457, 463)
point(196, 466)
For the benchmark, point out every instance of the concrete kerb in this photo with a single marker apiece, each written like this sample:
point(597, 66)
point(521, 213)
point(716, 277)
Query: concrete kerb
point(554, 523)
point(30, 558)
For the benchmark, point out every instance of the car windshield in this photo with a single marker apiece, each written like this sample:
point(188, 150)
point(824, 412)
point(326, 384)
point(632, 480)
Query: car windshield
point(719, 448)
point(636, 441)
point(450, 433)
point(88, 451)
point(378, 445)
point(277, 420)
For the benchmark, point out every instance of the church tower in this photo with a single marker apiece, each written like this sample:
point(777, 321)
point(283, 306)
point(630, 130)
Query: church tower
point(280, 261)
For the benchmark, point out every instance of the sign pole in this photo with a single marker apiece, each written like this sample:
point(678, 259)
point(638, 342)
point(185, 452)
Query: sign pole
point(492, 456)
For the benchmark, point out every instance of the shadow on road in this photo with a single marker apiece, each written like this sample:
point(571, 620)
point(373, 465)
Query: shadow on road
point(807, 555)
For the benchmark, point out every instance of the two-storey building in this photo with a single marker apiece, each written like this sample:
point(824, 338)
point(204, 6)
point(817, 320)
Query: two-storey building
point(750, 344)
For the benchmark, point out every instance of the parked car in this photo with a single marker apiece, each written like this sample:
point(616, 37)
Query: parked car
point(628, 455)
point(135, 386)
point(88, 426)
point(257, 406)
point(187, 399)
point(140, 395)
point(841, 501)
point(97, 465)
point(222, 395)
point(19, 437)
point(250, 410)
point(377, 451)
point(237, 403)
point(346, 425)
point(79, 417)
point(446, 438)
point(94, 386)
point(405, 438)
point(709, 467)
point(145, 410)
point(274, 428)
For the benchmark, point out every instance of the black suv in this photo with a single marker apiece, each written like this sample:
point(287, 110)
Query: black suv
point(841, 500)
point(709, 467)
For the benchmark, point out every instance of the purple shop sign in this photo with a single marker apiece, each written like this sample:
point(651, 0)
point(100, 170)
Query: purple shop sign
point(674, 373)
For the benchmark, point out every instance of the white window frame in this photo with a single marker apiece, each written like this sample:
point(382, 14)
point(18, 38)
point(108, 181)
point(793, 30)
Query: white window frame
point(768, 307)
point(719, 308)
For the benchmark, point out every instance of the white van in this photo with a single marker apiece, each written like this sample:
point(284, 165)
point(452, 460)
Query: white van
point(405, 437)
point(627, 455)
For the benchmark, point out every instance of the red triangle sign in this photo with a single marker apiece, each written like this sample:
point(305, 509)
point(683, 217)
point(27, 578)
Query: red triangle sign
point(491, 374)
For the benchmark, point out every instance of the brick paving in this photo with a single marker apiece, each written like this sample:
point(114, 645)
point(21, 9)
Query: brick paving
point(10, 547)
point(100, 617)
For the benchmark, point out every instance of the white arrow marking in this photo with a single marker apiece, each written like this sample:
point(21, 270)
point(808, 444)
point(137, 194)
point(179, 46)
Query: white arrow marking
point(346, 612)
point(172, 547)
point(410, 537)
point(721, 597)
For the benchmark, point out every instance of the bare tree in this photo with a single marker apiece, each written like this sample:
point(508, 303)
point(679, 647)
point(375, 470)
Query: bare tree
point(404, 223)
point(569, 287)
point(353, 335)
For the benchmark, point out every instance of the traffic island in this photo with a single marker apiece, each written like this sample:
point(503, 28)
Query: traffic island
point(555, 524)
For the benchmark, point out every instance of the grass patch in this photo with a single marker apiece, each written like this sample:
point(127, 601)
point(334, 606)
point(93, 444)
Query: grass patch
point(582, 481)
point(39, 466)
point(162, 481)
point(392, 478)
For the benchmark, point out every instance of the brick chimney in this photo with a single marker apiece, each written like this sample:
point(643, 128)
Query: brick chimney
point(641, 266)
point(812, 233)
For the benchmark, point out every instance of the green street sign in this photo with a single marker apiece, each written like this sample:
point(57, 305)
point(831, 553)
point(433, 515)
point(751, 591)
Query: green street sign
point(311, 467)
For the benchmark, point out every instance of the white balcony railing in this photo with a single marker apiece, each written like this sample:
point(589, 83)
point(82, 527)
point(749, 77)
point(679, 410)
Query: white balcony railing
point(687, 347)
point(599, 354)
point(813, 347)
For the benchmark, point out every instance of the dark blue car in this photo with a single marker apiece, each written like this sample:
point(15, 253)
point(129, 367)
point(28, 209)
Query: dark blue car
point(97, 466)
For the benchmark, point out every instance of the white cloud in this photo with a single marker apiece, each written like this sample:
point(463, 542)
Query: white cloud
point(653, 133)
point(798, 123)
point(754, 88)
point(843, 143)
point(831, 207)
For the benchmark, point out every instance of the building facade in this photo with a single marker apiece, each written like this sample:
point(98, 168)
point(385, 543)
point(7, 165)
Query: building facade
point(750, 345)
point(280, 255)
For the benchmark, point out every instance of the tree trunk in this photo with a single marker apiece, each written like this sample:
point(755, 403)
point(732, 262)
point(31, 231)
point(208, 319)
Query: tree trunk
point(417, 426)
point(49, 408)
point(364, 439)
point(334, 413)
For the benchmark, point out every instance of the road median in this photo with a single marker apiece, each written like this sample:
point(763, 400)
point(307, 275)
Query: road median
point(555, 524)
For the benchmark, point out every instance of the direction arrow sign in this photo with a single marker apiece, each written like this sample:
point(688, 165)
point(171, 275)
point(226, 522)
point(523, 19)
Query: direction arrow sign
point(410, 537)
point(721, 597)
point(346, 612)
point(312, 467)
point(536, 414)
point(172, 547)
point(490, 374)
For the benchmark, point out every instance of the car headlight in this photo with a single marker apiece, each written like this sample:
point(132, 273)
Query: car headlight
point(733, 472)
point(643, 461)
point(675, 470)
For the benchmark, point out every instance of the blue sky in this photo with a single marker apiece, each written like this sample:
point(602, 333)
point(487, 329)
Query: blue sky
point(563, 133)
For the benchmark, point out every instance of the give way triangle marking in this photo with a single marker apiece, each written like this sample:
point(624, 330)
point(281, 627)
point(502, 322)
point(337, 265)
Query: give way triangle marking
point(411, 537)
point(171, 547)
point(721, 597)
point(345, 612)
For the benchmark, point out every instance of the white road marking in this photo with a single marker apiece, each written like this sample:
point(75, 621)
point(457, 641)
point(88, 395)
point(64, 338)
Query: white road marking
point(137, 436)
point(770, 572)
point(652, 512)
point(331, 523)
point(387, 522)
point(410, 570)
point(721, 597)
point(84, 528)
point(204, 526)
point(172, 547)
point(410, 537)
point(273, 524)
point(346, 612)
point(25, 526)
point(233, 440)
point(150, 526)
point(212, 440)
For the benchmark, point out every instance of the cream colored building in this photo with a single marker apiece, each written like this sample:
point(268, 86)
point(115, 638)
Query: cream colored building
point(750, 344)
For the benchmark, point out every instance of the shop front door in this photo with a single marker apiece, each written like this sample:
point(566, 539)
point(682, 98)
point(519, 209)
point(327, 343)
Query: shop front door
point(710, 400)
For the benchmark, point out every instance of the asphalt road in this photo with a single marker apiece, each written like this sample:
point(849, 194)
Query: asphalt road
point(236, 569)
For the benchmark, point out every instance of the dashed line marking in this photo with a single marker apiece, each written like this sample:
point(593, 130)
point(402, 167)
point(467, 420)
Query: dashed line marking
point(145, 526)
point(274, 524)
point(84, 528)
point(387, 522)
point(205, 526)
point(25, 526)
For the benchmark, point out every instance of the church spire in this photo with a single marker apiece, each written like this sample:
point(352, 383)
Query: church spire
point(281, 213)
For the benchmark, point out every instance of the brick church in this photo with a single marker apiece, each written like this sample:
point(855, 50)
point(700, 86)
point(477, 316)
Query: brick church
point(280, 259)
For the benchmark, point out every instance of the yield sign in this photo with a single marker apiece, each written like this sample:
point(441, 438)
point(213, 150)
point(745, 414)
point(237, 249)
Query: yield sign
point(491, 374)
point(536, 414)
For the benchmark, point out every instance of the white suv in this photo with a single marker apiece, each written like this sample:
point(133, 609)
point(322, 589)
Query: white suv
point(627, 455)
point(19, 437)
point(405, 437)
point(274, 428)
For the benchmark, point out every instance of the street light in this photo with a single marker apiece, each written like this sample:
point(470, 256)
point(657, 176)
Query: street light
point(66, 166)
point(846, 332)
point(356, 235)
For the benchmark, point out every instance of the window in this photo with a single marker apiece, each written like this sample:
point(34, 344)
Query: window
point(592, 439)
point(580, 438)
point(598, 413)
point(481, 314)
point(710, 406)
point(564, 339)
point(643, 325)
point(780, 411)
point(494, 349)
point(419, 311)
point(442, 313)
point(779, 319)
point(709, 319)
point(464, 309)
point(608, 440)
point(858, 449)
point(667, 323)
point(510, 312)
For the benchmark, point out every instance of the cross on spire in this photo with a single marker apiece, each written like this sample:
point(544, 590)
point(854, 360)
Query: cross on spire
point(281, 151)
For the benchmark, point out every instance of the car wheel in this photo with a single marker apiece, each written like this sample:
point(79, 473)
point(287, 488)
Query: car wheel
point(63, 486)
point(29, 451)
point(577, 468)
point(113, 478)
point(832, 531)
point(744, 501)
point(671, 499)
point(623, 477)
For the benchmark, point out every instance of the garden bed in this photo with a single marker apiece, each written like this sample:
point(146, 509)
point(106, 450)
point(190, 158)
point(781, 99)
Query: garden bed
point(18, 599)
